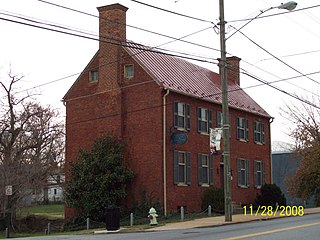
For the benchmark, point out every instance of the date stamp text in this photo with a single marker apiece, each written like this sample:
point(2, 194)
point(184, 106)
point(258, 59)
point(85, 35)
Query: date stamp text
point(269, 211)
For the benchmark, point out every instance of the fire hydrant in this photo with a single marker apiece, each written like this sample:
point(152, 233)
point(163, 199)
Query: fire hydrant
point(153, 216)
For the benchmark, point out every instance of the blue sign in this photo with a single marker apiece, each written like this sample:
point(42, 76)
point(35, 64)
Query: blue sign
point(179, 138)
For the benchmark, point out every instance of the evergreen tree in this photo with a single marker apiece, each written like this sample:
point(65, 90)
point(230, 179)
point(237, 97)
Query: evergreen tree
point(98, 178)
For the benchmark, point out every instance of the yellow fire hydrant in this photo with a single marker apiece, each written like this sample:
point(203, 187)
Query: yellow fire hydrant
point(153, 216)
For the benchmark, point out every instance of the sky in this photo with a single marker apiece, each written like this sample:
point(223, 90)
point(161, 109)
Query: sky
point(280, 46)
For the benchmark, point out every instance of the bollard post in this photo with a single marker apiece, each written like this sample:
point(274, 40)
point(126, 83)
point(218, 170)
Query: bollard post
point(209, 211)
point(7, 233)
point(49, 228)
point(182, 213)
point(88, 223)
point(131, 219)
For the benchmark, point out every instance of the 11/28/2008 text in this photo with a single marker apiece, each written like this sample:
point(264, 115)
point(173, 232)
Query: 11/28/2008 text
point(269, 211)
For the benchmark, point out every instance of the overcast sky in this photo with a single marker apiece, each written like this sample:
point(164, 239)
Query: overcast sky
point(47, 58)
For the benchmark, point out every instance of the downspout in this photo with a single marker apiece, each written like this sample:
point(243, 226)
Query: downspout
point(271, 175)
point(164, 155)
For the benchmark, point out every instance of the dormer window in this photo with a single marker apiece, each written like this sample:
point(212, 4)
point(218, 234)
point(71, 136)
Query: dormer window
point(128, 71)
point(93, 75)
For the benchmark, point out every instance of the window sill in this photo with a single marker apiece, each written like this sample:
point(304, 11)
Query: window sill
point(258, 187)
point(243, 140)
point(93, 81)
point(182, 129)
point(259, 143)
point(205, 185)
point(204, 133)
point(182, 185)
point(242, 186)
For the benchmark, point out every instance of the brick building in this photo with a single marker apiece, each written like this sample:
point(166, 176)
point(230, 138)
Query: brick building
point(145, 97)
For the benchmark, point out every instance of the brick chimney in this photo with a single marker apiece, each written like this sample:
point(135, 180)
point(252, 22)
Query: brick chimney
point(233, 69)
point(112, 33)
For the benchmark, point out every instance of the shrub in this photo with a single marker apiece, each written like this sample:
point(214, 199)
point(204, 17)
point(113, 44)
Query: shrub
point(270, 195)
point(213, 197)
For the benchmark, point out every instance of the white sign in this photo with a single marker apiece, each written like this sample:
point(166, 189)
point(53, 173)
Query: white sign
point(215, 138)
point(9, 190)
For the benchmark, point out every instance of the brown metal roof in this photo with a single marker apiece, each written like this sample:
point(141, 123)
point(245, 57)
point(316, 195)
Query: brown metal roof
point(187, 78)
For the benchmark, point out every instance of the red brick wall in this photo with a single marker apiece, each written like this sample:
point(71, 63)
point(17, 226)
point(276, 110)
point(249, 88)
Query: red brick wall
point(142, 133)
point(190, 196)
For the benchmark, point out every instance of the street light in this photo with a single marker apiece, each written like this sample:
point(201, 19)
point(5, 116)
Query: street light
point(225, 109)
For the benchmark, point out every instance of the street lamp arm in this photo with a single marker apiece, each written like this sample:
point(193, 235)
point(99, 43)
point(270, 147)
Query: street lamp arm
point(287, 6)
point(261, 12)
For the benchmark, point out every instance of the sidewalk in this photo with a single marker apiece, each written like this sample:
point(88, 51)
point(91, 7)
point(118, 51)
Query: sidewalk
point(219, 221)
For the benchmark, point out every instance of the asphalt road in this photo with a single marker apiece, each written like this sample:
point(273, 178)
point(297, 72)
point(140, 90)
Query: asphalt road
point(307, 227)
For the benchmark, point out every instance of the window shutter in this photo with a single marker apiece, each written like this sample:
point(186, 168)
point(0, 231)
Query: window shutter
point(188, 168)
point(263, 173)
point(219, 119)
point(175, 168)
point(255, 132)
point(248, 172)
point(211, 169)
point(175, 111)
point(209, 120)
point(239, 172)
point(247, 129)
point(263, 134)
point(200, 168)
point(238, 125)
point(255, 168)
point(199, 119)
point(187, 116)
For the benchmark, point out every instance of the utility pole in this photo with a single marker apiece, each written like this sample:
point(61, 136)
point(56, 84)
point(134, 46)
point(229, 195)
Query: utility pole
point(225, 116)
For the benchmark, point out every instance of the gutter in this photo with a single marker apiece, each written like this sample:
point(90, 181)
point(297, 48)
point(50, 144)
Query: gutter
point(164, 154)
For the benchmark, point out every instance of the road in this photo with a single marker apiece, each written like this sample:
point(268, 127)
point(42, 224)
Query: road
point(307, 227)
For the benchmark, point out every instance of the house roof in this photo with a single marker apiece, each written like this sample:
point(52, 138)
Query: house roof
point(187, 78)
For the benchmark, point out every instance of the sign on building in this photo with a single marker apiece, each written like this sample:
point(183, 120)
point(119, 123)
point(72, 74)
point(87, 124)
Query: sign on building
point(215, 139)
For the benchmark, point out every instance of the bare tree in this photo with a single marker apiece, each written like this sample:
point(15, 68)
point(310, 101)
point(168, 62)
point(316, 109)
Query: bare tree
point(31, 144)
point(306, 132)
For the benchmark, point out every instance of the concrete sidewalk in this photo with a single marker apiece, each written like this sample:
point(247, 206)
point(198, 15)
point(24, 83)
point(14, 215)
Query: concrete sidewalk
point(220, 220)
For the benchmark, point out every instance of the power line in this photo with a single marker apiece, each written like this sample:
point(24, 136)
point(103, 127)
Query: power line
point(42, 22)
point(286, 79)
point(110, 42)
point(131, 26)
point(276, 57)
point(143, 49)
point(169, 11)
point(281, 90)
point(292, 55)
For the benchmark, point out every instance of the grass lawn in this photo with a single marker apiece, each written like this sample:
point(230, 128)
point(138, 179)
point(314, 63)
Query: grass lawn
point(51, 211)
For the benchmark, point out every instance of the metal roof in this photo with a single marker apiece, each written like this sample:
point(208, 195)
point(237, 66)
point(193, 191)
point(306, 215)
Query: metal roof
point(190, 79)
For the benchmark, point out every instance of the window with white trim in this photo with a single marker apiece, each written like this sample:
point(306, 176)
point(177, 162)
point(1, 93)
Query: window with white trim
point(204, 120)
point(242, 129)
point(128, 71)
point(93, 75)
point(205, 169)
point(259, 133)
point(243, 172)
point(181, 116)
point(182, 167)
point(259, 173)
